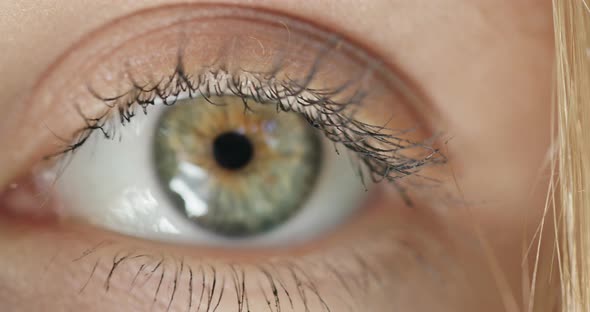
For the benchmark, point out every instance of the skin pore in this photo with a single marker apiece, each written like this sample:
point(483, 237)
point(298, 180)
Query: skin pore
point(486, 68)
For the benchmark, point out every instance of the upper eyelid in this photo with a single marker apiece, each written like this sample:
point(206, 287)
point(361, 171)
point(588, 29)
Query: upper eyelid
point(420, 96)
point(408, 88)
point(333, 45)
point(420, 101)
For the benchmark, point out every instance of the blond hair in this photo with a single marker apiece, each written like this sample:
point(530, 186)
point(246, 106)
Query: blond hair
point(572, 44)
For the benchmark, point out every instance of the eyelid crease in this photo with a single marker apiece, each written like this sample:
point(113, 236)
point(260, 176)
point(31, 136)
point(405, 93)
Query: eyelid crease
point(417, 93)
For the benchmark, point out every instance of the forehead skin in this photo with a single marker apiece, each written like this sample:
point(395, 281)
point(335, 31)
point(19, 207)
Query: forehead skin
point(485, 64)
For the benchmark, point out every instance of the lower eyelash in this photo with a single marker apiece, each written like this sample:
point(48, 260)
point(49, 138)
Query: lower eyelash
point(377, 150)
point(283, 284)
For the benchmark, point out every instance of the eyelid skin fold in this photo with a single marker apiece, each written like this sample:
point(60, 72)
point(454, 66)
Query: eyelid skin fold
point(210, 38)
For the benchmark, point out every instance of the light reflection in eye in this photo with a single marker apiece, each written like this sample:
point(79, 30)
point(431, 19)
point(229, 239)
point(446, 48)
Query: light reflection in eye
point(194, 206)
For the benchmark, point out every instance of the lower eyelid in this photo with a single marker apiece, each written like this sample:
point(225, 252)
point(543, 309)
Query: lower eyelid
point(373, 254)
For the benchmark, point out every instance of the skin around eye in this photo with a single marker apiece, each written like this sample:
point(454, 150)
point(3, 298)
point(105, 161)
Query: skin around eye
point(337, 86)
point(219, 51)
point(485, 65)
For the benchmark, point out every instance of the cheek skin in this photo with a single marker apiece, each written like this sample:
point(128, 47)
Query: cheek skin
point(504, 121)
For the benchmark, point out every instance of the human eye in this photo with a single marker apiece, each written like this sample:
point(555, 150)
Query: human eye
point(229, 151)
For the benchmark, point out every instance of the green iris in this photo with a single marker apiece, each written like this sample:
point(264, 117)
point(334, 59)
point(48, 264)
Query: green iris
point(233, 171)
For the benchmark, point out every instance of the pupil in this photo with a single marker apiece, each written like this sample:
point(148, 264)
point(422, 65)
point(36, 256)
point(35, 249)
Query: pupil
point(232, 150)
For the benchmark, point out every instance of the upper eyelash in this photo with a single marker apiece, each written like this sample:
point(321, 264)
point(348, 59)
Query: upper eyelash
point(379, 152)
